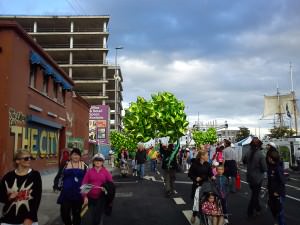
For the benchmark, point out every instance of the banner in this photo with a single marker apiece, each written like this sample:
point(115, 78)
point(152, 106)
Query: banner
point(99, 124)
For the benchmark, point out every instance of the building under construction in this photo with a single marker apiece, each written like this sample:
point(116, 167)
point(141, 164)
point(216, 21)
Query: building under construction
point(79, 46)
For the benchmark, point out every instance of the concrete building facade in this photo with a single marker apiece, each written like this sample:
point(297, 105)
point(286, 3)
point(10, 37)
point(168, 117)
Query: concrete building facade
point(79, 46)
point(38, 109)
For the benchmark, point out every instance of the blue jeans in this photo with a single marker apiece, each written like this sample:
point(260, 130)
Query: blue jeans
point(276, 207)
point(141, 170)
point(153, 164)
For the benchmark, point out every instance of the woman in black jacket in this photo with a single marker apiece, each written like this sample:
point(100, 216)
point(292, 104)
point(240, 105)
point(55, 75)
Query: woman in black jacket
point(199, 172)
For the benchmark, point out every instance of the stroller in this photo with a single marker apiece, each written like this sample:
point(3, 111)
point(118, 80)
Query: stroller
point(210, 213)
point(124, 168)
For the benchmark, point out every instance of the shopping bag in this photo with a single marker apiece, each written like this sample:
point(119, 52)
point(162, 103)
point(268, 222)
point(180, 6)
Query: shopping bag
point(196, 199)
point(238, 181)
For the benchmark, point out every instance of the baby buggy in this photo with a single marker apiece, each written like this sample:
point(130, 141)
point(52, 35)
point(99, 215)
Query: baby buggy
point(210, 205)
point(124, 168)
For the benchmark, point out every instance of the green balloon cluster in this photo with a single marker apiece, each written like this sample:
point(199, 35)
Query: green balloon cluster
point(162, 116)
point(119, 140)
point(171, 118)
point(202, 137)
point(138, 120)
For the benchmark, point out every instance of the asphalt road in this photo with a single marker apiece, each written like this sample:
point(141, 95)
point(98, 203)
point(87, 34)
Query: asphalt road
point(142, 202)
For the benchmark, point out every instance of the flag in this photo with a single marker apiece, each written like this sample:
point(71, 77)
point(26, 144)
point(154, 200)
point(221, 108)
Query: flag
point(287, 111)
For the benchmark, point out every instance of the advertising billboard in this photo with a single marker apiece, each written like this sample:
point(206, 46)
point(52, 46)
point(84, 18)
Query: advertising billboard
point(99, 124)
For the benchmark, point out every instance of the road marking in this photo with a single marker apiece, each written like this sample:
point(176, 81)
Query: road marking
point(179, 201)
point(294, 179)
point(188, 214)
point(126, 182)
point(291, 197)
point(287, 196)
point(124, 194)
point(290, 178)
point(158, 172)
point(291, 186)
point(183, 182)
point(150, 178)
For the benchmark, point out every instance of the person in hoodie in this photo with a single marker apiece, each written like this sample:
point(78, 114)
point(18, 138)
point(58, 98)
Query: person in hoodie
point(276, 187)
point(256, 168)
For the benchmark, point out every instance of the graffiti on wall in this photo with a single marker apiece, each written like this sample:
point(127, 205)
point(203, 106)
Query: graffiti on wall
point(16, 118)
point(39, 141)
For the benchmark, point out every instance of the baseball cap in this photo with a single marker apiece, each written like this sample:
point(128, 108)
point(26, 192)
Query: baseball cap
point(98, 157)
point(272, 144)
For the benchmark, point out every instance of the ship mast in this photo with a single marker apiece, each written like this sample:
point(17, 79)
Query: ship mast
point(279, 108)
point(294, 99)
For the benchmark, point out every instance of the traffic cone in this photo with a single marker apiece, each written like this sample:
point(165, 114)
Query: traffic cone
point(238, 181)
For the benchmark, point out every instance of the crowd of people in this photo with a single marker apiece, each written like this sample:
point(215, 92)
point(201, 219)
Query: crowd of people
point(21, 191)
point(87, 193)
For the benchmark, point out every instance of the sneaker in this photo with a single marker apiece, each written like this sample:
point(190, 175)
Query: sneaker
point(193, 219)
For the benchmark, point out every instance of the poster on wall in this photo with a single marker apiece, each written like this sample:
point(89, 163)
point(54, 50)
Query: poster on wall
point(99, 124)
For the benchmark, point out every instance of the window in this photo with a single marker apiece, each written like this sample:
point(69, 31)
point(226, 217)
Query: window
point(32, 75)
point(45, 84)
point(63, 96)
point(55, 90)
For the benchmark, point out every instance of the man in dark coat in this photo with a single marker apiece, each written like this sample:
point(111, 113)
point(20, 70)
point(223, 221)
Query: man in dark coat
point(169, 166)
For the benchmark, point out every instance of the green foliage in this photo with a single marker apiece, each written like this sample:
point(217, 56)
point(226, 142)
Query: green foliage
point(120, 140)
point(284, 153)
point(243, 133)
point(279, 132)
point(202, 137)
point(162, 116)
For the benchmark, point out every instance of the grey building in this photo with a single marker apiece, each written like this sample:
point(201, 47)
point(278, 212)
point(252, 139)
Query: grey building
point(79, 45)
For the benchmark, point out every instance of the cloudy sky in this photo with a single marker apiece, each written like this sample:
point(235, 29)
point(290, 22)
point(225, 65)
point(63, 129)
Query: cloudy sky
point(219, 57)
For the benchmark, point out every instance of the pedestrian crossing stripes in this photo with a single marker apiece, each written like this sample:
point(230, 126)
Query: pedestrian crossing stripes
point(188, 214)
point(179, 201)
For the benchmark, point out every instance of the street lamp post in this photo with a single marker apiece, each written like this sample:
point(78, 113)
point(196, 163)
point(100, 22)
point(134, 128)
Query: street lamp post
point(117, 80)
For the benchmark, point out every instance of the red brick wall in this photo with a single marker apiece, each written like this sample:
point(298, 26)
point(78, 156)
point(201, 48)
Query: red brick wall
point(16, 93)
